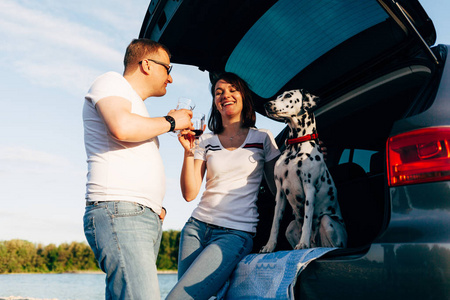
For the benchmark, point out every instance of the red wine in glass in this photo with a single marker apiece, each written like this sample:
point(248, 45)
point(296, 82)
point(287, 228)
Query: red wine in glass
point(198, 121)
point(198, 133)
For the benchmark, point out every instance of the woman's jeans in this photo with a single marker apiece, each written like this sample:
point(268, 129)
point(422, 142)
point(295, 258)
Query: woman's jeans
point(125, 238)
point(208, 255)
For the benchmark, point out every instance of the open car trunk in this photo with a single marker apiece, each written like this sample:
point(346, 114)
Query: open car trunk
point(371, 64)
point(368, 61)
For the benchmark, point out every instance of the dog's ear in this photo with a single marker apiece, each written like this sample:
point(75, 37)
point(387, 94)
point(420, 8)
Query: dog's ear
point(309, 100)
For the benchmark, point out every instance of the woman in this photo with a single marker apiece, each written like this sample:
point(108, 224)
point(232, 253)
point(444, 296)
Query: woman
point(234, 157)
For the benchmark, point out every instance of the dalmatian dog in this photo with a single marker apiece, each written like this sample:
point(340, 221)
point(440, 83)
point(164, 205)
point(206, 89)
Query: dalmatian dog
point(302, 178)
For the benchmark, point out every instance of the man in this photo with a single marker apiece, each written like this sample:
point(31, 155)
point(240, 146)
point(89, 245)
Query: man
point(125, 181)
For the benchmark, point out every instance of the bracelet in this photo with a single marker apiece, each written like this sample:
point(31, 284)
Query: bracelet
point(189, 153)
point(171, 120)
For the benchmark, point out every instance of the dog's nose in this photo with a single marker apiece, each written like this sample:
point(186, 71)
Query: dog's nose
point(267, 105)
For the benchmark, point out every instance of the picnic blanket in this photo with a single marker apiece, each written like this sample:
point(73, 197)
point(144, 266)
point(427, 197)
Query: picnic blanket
point(269, 276)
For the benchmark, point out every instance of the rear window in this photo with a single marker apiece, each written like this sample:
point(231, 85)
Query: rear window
point(292, 34)
point(361, 157)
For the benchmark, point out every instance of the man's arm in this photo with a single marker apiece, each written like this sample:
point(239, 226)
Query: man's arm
point(129, 127)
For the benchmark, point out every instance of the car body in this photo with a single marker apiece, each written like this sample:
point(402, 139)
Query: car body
point(384, 116)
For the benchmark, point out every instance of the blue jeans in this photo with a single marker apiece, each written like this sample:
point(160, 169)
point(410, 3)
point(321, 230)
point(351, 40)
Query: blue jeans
point(207, 257)
point(125, 238)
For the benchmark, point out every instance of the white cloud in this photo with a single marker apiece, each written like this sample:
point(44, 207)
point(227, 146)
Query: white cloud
point(19, 160)
point(52, 51)
point(23, 24)
point(74, 78)
point(29, 155)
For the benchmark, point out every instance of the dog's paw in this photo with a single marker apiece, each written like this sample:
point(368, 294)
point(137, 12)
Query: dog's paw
point(268, 248)
point(301, 246)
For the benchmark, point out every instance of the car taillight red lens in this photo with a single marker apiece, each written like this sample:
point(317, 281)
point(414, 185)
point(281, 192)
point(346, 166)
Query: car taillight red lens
point(419, 156)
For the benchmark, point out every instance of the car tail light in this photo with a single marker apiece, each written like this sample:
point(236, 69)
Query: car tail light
point(419, 156)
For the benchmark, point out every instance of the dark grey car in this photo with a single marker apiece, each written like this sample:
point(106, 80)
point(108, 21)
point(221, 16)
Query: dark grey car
point(384, 116)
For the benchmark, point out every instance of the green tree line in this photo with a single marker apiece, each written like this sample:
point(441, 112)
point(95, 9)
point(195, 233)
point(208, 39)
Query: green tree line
point(19, 256)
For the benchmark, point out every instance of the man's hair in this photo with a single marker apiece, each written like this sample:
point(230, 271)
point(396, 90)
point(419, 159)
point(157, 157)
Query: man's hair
point(248, 114)
point(138, 50)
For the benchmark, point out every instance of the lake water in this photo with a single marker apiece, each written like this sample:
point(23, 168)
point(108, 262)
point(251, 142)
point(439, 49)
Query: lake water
point(65, 286)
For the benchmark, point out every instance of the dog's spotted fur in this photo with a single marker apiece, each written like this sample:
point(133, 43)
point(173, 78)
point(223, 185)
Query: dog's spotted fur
point(302, 178)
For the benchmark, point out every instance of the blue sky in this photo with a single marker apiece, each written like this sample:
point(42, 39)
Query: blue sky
point(50, 53)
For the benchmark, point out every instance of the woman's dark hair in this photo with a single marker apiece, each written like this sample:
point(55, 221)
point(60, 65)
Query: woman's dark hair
point(248, 114)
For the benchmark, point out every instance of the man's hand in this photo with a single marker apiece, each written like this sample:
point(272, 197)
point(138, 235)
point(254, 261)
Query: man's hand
point(182, 118)
point(163, 214)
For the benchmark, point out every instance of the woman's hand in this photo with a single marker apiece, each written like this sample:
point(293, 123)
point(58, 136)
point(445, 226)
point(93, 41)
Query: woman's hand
point(186, 139)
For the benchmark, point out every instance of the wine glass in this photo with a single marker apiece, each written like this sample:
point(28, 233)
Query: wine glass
point(198, 121)
point(185, 103)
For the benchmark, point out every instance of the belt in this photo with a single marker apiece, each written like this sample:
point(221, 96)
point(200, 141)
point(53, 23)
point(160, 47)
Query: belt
point(225, 228)
point(208, 225)
point(90, 203)
point(215, 226)
point(220, 227)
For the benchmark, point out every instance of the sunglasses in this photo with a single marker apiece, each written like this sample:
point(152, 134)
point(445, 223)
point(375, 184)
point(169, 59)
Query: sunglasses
point(168, 67)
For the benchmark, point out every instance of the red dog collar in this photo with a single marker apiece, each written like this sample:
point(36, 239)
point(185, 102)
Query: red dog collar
point(305, 138)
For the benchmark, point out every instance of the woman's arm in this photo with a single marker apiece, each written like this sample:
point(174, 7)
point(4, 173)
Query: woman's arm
point(268, 174)
point(193, 170)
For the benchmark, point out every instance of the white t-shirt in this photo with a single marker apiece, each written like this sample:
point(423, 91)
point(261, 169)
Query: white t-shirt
point(120, 171)
point(233, 179)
